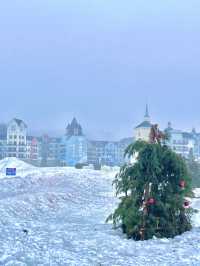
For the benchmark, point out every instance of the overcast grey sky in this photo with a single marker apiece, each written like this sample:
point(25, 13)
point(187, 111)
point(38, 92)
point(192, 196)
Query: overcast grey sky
point(100, 61)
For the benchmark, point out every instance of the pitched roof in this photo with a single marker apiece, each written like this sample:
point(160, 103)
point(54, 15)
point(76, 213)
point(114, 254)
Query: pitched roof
point(74, 129)
point(19, 122)
point(74, 122)
point(145, 124)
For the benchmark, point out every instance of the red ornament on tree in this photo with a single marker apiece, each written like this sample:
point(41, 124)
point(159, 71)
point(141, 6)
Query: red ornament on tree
point(186, 204)
point(151, 201)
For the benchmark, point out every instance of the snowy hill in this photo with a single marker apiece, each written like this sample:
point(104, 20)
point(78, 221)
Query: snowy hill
point(64, 212)
point(11, 162)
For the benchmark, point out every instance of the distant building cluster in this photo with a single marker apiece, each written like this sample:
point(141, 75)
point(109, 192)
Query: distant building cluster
point(183, 143)
point(68, 150)
point(75, 148)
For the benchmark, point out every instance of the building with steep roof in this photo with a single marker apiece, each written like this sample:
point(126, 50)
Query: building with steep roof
point(74, 129)
point(16, 139)
point(142, 131)
point(73, 146)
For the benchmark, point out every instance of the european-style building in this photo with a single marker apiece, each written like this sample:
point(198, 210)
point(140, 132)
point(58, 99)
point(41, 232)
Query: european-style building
point(16, 139)
point(142, 131)
point(184, 143)
point(73, 145)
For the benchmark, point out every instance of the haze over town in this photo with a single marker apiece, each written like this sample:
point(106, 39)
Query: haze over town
point(101, 62)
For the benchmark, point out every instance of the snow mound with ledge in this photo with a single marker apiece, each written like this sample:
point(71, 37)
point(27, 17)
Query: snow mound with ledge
point(12, 162)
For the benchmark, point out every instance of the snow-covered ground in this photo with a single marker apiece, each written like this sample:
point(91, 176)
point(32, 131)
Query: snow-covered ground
point(64, 211)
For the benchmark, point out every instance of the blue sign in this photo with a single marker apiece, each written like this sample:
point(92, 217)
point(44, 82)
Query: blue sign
point(11, 171)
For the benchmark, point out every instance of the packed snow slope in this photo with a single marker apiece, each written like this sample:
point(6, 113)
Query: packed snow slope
point(56, 216)
point(12, 162)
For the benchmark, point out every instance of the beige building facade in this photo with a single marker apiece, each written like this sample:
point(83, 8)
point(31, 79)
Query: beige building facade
point(142, 131)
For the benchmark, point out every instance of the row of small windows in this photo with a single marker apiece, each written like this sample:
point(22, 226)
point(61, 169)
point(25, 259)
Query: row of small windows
point(15, 149)
point(14, 128)
point(15, 155)
point(181, 149)
point(15, 137)
point(181, 142)
point(15, 143)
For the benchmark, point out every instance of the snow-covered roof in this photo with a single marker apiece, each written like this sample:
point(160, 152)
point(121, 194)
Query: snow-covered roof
point(145, 124)
point(19, 122)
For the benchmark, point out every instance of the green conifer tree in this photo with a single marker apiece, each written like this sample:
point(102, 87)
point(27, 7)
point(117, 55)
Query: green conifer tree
point(153, 193)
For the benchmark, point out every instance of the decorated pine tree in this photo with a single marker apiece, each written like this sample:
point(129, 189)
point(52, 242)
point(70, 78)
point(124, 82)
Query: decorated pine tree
point(153, 193)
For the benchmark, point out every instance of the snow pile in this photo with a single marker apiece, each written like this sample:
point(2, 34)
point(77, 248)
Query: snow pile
point(12, 162)
point(64, 212)
point(110, 169)
point(197, 192)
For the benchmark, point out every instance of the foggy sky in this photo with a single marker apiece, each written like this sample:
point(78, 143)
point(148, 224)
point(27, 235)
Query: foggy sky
point(100, 61)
